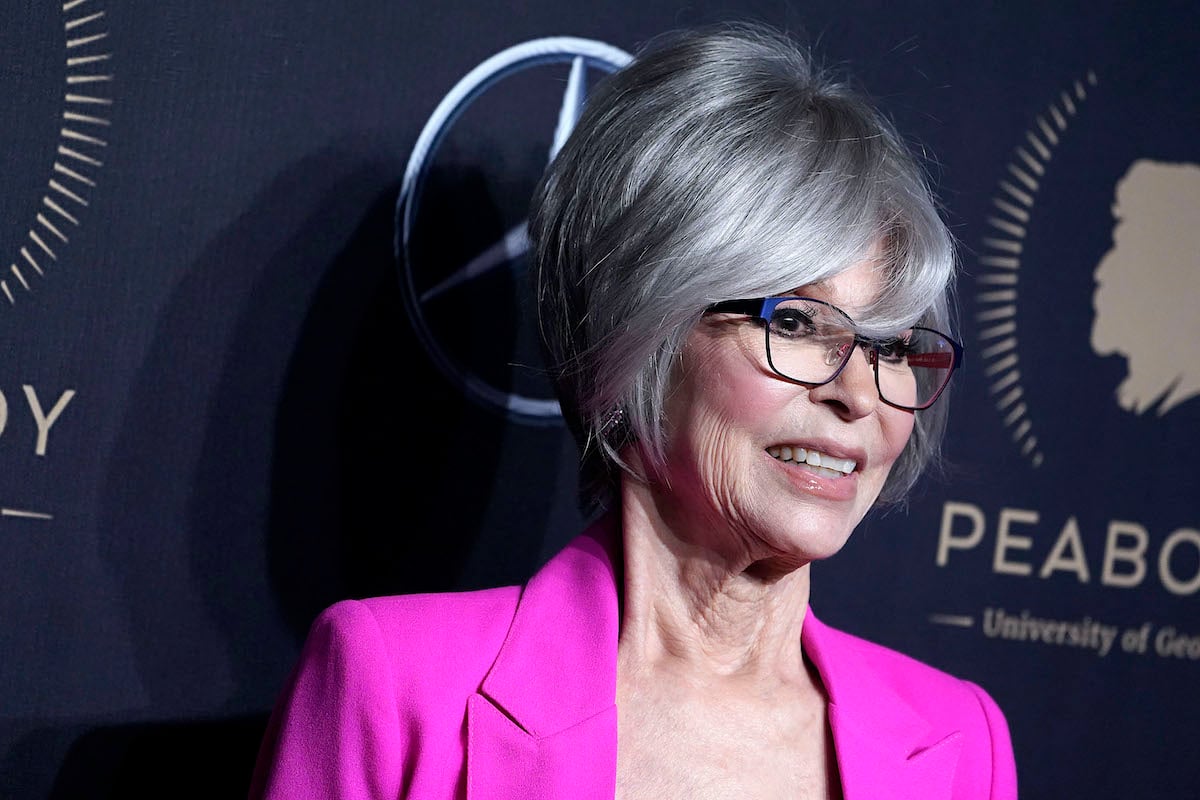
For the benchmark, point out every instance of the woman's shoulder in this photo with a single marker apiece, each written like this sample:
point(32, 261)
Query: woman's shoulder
point(378, 680)
point(890, 690)
point(419, 633)
point(465, 615)
point(938, 695)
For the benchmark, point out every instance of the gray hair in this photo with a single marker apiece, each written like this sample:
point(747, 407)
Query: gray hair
point(720, 164)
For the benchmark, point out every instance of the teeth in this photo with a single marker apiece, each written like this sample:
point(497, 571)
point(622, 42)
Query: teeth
point(822, 463)
point(843, 465)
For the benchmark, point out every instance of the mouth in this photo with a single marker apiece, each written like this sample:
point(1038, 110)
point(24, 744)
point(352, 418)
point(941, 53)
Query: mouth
point(823, 464)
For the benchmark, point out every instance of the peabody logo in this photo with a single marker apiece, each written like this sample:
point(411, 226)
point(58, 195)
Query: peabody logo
point(1148, 282)
point(1086, 289)
point(463, 307)
point(61, 198)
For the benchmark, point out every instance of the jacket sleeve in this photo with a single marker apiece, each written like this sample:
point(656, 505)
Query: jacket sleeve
point(335, 733)
point(1004, 768)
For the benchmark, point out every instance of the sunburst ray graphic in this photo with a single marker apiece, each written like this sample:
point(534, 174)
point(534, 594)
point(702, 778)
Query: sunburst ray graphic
point(78, 157)
point(1001, 258)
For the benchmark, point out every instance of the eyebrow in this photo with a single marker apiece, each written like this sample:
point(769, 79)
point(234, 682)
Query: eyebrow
point(818, 288)
point(821, 285)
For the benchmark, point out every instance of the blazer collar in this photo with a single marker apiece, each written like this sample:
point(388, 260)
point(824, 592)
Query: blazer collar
point(544, 723)
point(558, 664)
point(885, 748)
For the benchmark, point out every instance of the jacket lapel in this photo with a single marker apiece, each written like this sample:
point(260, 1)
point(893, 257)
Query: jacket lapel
point(885, 750)
point(544, 724)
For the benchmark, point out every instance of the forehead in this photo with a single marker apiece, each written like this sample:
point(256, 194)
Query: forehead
point(853, 290)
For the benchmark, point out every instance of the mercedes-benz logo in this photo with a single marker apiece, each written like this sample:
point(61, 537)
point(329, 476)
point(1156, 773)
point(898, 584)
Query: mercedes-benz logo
point(506, 250)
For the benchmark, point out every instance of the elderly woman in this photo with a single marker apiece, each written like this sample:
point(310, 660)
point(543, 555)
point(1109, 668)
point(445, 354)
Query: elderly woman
point(742, 284)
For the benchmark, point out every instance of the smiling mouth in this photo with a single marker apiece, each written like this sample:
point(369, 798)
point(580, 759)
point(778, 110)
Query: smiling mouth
point(822, 464)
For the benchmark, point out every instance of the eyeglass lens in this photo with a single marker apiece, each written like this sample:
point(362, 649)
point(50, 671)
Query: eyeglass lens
point(809, 341)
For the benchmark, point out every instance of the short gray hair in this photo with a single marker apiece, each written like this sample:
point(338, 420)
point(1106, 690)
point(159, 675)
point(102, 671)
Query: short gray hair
point(721, 163)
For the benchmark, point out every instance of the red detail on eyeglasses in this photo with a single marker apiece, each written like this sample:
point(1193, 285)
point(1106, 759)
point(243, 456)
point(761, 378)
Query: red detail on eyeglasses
point(934, 360)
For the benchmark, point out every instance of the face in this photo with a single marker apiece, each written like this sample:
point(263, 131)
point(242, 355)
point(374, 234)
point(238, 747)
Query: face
point(731, 423)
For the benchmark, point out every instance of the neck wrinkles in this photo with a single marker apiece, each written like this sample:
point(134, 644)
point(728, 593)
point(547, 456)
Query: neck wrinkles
point(687, 608)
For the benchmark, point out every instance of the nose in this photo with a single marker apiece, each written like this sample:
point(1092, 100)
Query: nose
point(853, 393)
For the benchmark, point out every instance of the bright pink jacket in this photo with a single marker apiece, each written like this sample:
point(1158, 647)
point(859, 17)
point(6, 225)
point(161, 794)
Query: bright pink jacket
point(509, 693)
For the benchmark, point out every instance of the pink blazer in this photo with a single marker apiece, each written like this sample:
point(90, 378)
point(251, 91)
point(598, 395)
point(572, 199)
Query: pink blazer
point(509, 693)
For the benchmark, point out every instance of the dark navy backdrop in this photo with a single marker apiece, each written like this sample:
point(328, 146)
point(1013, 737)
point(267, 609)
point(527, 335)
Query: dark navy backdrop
point(217, 416)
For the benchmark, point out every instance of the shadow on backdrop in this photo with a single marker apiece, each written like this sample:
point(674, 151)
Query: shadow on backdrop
point(325, 459)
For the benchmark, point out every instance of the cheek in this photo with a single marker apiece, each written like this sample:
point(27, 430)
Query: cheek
point(704, 433)
point(733, 411)
point(721, 388)
point(897, 428)
point(713, 414)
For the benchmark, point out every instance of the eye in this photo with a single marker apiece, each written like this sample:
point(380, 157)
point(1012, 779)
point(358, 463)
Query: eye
point(792, 323)
point(894, 351)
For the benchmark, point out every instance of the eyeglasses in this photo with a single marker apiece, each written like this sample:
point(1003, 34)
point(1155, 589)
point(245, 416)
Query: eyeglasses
point(810, 341)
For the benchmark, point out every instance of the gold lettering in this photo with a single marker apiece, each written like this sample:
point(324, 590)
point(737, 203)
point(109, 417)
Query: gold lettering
point(947, 541)
point(1136, 555)
point(43, 420)
point(1069, 538)
point(1006, 541)
point(1173, 584)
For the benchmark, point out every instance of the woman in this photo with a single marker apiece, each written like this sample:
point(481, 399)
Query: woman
point(741, 280)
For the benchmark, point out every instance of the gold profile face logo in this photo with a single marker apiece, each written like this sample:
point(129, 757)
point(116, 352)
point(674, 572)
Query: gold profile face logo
point(1147, 284)
point(78, 155)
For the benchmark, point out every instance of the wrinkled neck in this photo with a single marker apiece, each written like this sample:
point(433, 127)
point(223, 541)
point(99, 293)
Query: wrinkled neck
point(703, 610)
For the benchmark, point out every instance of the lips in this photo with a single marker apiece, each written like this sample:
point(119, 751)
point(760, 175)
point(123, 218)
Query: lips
point(823, 464)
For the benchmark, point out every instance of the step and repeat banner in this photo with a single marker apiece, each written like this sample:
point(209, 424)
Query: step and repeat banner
point(238, 245)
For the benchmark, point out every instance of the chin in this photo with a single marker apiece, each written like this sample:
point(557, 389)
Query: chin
point(798, 548)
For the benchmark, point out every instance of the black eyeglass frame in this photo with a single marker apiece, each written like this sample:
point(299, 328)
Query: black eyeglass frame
point(762, 308)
